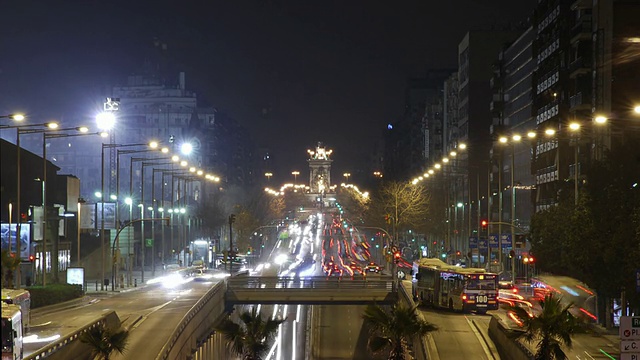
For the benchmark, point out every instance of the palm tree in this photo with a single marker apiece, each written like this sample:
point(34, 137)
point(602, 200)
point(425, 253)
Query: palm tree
point(553, 327)
point(103, 341)
point(10, 263)
point(251, 339)
point(392, 328)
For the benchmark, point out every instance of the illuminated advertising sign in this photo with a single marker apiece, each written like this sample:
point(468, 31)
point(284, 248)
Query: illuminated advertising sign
point(9, 237)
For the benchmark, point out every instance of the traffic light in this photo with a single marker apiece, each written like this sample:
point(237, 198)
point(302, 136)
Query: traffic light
point(232, 218)
point(396, 256)
point(485, 228)
point(32, 258)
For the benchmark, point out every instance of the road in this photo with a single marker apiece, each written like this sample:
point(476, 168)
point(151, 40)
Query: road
point(461, 336)
point(154, 309)
point(589, 345)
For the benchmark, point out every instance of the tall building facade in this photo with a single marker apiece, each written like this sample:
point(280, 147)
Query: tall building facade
point(587, 59)
point(511, 111)
point(476, 53)
point(413, 142)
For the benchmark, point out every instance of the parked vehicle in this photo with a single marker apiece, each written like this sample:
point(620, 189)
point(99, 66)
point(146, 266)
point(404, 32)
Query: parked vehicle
point(21, 298)
point(12, 332)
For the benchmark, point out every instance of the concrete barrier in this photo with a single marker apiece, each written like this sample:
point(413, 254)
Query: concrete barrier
point(506, 344)
point(69, 346)
point(196, 325)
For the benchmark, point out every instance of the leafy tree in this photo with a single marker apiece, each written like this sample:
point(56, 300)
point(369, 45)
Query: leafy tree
point(353, 202)
point(405, 205)
point(552, 328)
point(250, 339)
point(10, 263)
point(614, 201)
point(276, 208)
point(104, 342)
point(392, 328)
point(245, 223)
point(295, 200)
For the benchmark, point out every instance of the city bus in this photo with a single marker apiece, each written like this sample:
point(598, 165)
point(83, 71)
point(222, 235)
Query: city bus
point(22, 298)
point(11, 332)
point(439, 284)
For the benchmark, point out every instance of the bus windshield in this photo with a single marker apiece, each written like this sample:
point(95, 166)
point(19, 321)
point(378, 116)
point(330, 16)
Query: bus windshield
point(485, 284)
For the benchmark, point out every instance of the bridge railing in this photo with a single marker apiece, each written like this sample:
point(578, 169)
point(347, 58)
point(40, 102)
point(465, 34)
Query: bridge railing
point(262, 283)
point(195, 324)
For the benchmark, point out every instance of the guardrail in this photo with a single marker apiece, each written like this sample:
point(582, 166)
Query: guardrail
point(186, 335)
point(60, 344)
point(263, 283)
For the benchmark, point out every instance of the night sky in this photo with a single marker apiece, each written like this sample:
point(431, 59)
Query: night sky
point(293, 72)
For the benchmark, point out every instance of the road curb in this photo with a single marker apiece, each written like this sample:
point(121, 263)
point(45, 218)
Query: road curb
point(61, 306)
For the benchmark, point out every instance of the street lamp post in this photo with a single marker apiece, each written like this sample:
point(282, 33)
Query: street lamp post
point(295, 176)
point(19, 130)
point(504, 140)
point(102, 229)
point(268, 176)
point(129, 201)
point(347, 175)
point(45, 136)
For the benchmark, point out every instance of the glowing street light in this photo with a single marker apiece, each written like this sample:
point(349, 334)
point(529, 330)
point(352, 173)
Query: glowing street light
point(295, 176)
point(600, 119)
point(15, 117)
point(268, 175)
point(347, 175)
point(105, 120)
point(186, 148)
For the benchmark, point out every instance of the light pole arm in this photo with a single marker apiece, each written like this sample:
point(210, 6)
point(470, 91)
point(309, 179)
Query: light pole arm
point(113, 246)
point(505, 223)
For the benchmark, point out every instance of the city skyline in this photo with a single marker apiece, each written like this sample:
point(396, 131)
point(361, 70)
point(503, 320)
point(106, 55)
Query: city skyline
point(339, 78)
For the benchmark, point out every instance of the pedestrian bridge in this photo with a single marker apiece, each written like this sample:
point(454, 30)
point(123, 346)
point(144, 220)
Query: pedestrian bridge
point(310, 291)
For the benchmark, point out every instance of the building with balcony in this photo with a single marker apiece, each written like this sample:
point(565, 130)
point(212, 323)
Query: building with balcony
point(511, 115)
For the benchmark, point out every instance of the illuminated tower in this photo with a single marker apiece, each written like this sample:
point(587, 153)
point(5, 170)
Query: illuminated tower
point(319, 170)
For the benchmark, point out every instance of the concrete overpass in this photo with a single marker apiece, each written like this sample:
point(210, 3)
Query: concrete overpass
point(317, 290)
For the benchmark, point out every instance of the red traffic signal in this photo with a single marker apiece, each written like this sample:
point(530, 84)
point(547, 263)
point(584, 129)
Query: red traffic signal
point(32, 257)
point(484, 224)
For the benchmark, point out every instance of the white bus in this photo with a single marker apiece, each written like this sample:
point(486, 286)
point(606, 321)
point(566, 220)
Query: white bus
point(11, 332)
point(442, 285)
point(22, 298)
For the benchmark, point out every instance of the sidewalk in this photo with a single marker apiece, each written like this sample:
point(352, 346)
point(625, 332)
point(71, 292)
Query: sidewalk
point(93, 286)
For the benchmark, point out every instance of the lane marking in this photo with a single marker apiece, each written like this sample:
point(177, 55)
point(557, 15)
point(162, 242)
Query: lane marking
point(481, 339)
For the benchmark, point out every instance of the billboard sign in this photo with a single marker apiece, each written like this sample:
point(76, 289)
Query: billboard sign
point(506, 241)
point(9, 237)
point(473, 242)
point(75, 276)
point(493, 241)
point(90, 216)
